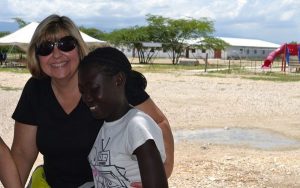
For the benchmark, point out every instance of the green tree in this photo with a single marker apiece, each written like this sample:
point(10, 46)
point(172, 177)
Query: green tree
point(3, 33)
point(20, 22)
point(133, 38)
point(93, 32)
point(4, 48)
point(174, 33)
point(293, 42)
point(212, 43)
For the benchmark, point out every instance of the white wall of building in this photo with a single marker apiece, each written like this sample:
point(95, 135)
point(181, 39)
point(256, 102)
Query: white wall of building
point(239, 48)
point(237, 52)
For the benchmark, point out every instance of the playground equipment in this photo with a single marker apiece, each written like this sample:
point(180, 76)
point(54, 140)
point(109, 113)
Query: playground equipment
point(286, 51)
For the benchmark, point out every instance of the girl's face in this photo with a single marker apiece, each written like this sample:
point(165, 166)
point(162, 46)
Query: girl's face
point(61, 62)
point(100, 93)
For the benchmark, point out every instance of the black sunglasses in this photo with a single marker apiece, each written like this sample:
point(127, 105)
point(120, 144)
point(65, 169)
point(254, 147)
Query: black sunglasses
point(65, 44)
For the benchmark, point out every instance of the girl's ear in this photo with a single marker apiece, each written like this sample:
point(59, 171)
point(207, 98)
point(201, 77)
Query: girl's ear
point(120, 79)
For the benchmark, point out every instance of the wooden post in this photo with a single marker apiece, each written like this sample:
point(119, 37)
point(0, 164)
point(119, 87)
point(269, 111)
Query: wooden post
point(206, 62)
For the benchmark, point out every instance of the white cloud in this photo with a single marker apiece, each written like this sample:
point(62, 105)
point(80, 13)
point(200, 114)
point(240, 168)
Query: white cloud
point(264, 19)
point(287, 15)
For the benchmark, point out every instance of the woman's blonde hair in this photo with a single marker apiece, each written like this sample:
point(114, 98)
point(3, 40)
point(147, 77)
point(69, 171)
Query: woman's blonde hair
point(50, 28)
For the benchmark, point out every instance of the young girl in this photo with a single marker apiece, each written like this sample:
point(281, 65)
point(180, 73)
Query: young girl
point(129, 147)
point(9, 176)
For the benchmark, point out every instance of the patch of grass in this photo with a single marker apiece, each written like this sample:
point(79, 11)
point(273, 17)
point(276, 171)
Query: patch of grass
point(14, 70)
point(6, 88)
point(274, 77)
point(212, 71)
point(161, 68)
point(268, 76)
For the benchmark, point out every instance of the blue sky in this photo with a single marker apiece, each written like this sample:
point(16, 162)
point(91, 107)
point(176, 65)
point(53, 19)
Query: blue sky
point(275, 21)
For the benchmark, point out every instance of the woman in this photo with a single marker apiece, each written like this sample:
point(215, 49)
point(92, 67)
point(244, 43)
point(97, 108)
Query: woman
point(50, 116)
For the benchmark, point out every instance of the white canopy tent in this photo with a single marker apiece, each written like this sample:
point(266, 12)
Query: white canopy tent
point(22, 37)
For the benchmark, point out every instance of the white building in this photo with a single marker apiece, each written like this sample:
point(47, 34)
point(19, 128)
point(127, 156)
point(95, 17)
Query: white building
point(247, 48)
point(238, 48)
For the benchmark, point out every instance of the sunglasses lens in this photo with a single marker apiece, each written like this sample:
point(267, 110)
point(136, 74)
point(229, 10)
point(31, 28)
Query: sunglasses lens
point(45, 48)
point(65, 44)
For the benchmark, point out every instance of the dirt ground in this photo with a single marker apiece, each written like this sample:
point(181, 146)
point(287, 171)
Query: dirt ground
point(193, 102)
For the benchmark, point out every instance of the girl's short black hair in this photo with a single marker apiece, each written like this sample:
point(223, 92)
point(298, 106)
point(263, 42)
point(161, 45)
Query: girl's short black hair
point(110, 61)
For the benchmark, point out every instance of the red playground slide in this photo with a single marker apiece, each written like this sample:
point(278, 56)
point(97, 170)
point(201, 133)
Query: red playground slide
point(269, 60)
point(287, 49)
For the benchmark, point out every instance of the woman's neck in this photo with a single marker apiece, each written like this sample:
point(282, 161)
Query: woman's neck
point(66, 84)
point(66, 92)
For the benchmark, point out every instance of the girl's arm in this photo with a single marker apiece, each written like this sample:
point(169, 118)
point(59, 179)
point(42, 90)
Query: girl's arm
point(150, 108)
point(151, 166)
point(9, 175)
point(24, 150)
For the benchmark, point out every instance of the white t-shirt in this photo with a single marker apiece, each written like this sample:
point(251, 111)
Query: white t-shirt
point(111, 157)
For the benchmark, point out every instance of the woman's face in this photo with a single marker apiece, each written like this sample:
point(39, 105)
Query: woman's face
point(60, 64)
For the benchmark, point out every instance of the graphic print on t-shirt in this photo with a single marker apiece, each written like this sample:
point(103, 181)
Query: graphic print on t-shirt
point(105, 174)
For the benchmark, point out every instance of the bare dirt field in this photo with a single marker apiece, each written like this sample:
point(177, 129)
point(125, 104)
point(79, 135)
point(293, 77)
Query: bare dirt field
point(193, 102)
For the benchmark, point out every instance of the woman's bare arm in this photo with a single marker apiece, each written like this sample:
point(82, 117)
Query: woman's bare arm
point(9, 175)
point(150, 108)
point(24, 150)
